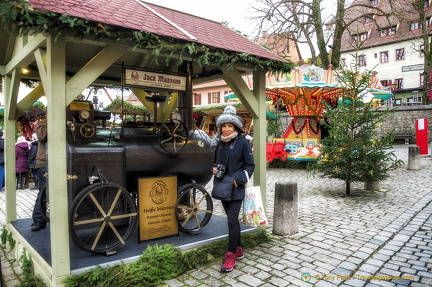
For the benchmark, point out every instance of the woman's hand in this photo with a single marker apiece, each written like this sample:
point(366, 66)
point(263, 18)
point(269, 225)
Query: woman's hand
point(235, 183)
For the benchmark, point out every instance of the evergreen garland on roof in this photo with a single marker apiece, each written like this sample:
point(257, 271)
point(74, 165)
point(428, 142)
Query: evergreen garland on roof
point(19, 18)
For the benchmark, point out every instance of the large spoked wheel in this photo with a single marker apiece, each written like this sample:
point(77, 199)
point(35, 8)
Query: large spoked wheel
point(173, 136)
point(194, 208)
point(102, 217)
point(44, 204)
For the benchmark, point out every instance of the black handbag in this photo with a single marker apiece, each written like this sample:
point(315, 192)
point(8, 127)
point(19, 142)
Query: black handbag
point(223, 188)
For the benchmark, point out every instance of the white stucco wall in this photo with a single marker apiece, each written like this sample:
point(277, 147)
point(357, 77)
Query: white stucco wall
point(393, 69)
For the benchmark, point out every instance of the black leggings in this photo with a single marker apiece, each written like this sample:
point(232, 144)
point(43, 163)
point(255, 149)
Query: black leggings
point(232, 209)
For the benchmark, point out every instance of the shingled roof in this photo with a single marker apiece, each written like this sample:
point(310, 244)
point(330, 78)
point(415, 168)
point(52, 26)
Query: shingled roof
point(361, 8)
point(143, 16)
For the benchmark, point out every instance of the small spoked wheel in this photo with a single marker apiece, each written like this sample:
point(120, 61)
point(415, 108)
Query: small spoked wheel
point(102, 217)
point(87, 130)
point(173, 136)
point(194, 208)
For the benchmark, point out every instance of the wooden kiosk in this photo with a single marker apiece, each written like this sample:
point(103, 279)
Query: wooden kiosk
point(85, 43)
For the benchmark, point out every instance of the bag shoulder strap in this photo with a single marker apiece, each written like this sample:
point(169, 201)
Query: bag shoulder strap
point(247, 176)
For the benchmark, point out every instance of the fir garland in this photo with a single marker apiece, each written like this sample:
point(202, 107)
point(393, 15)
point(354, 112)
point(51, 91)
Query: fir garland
point(19, 18)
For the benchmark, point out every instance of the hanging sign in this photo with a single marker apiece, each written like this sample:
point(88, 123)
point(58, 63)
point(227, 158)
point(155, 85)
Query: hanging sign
point(154, 80)
point(157, 200)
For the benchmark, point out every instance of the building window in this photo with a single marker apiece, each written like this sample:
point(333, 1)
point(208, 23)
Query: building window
point(398, 102)
point(197, 99)
point(416, 98)
point(374, 2)
point(421, 79)
point(421, 49)
point(360, 37)
point(209, 98)
point(215, 97)
point(415, 26)
point(361, 60)
point(387, 31)
point(368, 19)
point(384, 57)
point(384, 83)
point(426, 3)
point(399, 84)
point(400, 54)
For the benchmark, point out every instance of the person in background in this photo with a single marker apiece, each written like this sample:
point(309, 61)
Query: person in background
point(32, 160)
point(39, 221)
point(1, 161)
point(22, 150)
point(233, 151)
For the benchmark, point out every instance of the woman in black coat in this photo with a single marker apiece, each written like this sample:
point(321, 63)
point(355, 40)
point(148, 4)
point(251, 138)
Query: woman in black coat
point(233, 158)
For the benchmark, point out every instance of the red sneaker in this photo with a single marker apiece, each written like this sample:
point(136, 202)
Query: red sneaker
point(229, 262)
point(239, 253)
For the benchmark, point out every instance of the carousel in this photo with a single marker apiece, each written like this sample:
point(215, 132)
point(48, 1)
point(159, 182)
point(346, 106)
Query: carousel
point(304, 94)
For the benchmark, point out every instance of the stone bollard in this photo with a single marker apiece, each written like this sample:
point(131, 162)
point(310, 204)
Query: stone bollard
point(372, 185)
point(414, 158)
point(285, 218)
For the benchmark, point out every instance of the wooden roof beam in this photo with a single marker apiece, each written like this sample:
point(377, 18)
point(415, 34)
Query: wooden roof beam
point(238, 85)
point(92, 70)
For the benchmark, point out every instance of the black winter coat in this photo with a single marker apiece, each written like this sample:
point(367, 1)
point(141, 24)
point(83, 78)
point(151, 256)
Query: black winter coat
point(240, 159)
point(32, 154)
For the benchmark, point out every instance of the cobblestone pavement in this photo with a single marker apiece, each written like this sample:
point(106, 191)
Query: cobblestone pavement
point(368, 239)
point(10, 267)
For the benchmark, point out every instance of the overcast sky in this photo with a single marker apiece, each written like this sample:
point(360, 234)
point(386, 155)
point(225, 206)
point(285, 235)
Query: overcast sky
point(235, 12)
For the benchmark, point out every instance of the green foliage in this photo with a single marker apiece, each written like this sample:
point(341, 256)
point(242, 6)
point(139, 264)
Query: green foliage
point(353, 151)
point(11, 241)
point(272, 128)
point(127, 107)
point(274, 125)
point(30, 279)
point(6, 236)
point(3, 235)
point(218, 107)
point(159, 263)
point(20, 19)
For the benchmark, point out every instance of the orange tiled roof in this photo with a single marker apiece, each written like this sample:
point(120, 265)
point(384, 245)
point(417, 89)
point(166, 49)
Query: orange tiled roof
point(143, 16)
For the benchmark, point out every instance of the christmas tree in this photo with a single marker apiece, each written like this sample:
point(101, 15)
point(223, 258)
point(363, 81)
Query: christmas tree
point(354, 151)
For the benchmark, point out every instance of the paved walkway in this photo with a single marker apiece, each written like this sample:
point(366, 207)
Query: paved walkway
point(368, 239)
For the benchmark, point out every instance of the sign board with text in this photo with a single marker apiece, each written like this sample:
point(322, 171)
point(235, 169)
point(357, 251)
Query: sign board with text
point(154, 80)
point(418, 67)
point(157, 200)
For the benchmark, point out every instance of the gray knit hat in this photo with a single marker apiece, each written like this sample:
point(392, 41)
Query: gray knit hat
point(229, 115)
